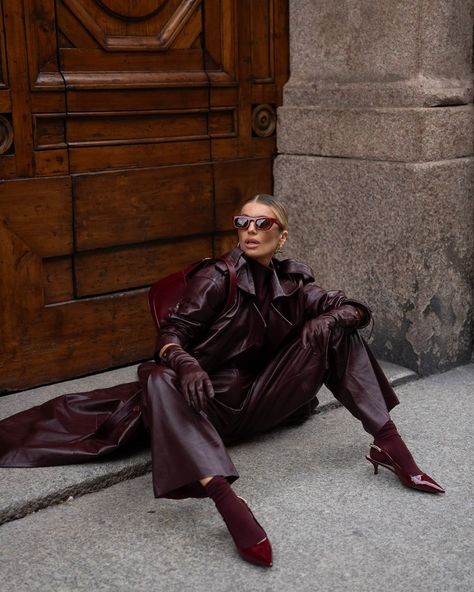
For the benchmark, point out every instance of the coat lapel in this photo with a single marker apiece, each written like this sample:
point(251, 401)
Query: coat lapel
point(282, 286)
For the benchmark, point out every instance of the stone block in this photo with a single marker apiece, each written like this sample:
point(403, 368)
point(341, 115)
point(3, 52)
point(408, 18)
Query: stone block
point(419, 91)
point(413, 52)
point(391, 134)
point(397, 235)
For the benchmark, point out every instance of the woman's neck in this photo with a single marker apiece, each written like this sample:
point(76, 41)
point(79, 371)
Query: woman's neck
point(257, 263)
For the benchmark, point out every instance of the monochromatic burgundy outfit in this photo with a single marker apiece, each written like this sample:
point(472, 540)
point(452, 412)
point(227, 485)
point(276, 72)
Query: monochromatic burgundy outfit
point(261, 373)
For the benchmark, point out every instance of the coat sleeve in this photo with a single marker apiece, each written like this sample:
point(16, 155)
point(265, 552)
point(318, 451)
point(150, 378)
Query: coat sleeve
point(318, 301)
point(204, 298)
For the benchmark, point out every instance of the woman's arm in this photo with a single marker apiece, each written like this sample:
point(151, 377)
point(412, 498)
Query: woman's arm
point(203, 300)
point(319, 301)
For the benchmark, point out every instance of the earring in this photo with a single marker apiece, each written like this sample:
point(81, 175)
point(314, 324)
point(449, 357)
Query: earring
point(280, 248)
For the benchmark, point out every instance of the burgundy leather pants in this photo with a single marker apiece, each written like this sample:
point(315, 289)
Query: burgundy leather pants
point(187, 446)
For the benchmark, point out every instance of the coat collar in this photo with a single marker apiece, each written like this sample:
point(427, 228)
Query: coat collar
point(284, 280)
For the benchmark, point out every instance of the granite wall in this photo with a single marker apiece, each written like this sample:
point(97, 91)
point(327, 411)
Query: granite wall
point(375, 164)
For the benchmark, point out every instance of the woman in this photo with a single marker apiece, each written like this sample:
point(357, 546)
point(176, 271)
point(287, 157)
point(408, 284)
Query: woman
point(224, 374)
point(224, 377)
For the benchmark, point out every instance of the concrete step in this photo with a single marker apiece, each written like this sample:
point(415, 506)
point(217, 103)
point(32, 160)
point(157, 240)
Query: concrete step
point(27, 490)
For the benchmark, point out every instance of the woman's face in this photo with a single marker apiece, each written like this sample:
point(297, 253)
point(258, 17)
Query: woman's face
point(260, 244)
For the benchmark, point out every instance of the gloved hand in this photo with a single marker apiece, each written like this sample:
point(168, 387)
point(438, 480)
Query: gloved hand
point(317, 331)
point(195, 383)
point(347, 316)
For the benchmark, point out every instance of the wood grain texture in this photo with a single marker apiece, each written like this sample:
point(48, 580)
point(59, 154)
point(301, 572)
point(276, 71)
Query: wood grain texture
point(156, 30)
point(96, 158)
point(71, 32)
point(124, 268)
point(98, 60)
point(236, 180)
point(20, 94)
point(78, 338)
point(5, 100)
point(98, 128)
point(3, 61)
point(40, 28)
point(129, 99)
point(39, 211)
point(261, 27)
point(51, 162)
point(224, 242)
point(7, 167)
point(141, 206)
point(49, 130)
point(58, 280)
point(48, 102)
point(154, 126)
point(20, 290)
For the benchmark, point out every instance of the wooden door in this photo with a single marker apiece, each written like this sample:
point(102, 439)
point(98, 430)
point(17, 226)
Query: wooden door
point(128, 133)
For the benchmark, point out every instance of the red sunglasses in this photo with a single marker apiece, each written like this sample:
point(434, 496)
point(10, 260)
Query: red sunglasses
point(261, 222)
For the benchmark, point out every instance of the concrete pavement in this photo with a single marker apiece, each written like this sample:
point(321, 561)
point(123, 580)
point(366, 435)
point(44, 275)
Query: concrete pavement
point(334, 525)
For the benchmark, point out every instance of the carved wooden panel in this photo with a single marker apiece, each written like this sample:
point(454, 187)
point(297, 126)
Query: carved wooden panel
point(129, 133)
point(96, 37)
point(261, 27)
point(144, 205)
point(127, 267)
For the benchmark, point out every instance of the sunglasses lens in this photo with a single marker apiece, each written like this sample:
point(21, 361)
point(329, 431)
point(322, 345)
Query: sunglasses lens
point(241, 222)
point(263, 223)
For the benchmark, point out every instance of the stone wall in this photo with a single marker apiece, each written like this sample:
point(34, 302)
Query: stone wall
point(375, 165)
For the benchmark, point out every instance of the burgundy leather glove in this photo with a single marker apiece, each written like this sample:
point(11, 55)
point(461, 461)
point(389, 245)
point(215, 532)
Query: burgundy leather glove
point(317, 331)
point(195, 383)
point(347, 316)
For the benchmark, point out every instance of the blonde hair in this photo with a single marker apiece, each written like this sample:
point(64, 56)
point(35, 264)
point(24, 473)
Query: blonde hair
point(280, 212)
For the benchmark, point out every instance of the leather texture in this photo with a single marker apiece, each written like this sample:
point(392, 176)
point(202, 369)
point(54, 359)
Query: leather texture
point(348, 316)
point(215, 339)
point(316, 333)
point(72, 428)
point(185, 444)
point(194, 384)
point(166, 292)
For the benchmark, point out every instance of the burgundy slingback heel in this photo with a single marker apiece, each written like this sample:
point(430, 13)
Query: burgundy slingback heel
point(422, 481)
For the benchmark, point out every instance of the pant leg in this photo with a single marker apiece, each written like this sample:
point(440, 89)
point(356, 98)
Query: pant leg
point(357, 381)
point(185, 446)
point(294, 376)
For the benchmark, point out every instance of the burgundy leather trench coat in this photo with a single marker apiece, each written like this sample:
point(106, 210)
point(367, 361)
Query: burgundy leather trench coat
point(217, 341)
point(77, 427)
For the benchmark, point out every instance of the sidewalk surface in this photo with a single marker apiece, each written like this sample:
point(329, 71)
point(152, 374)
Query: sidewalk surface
point(334, 525)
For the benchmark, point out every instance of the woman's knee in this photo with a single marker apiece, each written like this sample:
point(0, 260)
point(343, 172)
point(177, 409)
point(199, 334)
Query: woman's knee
point(159, 382)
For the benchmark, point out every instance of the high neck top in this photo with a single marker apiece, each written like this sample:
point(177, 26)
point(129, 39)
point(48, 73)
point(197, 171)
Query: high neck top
point(261, 275)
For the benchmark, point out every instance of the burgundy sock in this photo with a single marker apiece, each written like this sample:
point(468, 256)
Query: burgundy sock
point(391, 442)
point(235, 513)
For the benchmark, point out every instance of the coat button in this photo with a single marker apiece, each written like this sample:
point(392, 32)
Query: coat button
point(136, 408)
